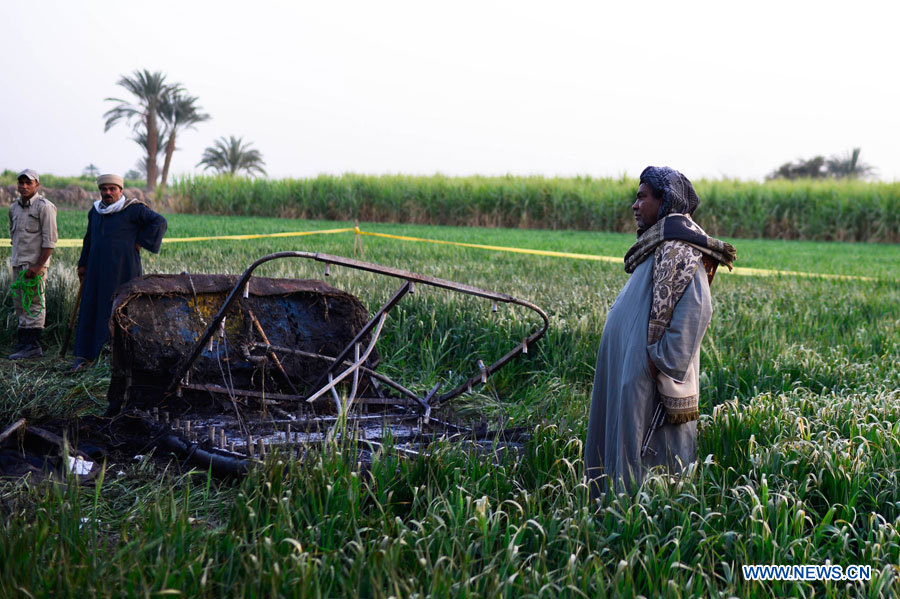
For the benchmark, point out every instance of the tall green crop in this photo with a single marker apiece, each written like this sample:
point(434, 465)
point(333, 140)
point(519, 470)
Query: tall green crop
point(815, 210)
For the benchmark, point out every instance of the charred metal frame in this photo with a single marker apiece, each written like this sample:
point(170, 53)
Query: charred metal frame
point(350, 362)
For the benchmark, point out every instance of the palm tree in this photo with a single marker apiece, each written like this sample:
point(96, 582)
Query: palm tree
point(849, 166)
point(150, 89)
point(140, 137)
point(813, 168)
point(231, 156)
point(178, 111)
point(141, 167)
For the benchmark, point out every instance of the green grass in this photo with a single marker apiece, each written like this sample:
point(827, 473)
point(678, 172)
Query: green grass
point(811, 210)
point(799, 442)
point(877, 260)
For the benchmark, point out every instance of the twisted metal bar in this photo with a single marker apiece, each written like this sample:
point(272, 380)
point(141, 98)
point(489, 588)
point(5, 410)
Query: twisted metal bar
point(410, 279)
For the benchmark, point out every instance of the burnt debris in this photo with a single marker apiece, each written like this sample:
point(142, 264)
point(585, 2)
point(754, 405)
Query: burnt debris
point(221, 370)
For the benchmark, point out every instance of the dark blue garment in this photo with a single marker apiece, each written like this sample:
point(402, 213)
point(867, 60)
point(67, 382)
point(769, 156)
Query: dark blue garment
point(111, 259)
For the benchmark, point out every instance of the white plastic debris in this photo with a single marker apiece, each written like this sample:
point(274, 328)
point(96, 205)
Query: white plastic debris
point(80, 466)
point(87, 521)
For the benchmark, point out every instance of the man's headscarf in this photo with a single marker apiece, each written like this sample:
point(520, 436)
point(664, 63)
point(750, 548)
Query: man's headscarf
point(672, 188)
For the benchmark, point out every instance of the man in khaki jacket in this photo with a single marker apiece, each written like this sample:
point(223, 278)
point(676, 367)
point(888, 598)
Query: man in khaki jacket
point(32, 230)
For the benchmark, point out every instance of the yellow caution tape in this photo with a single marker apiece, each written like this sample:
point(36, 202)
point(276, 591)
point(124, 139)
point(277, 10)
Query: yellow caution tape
point(764, 272)
point(76, 243)
point(256, 236)
point(60, 243)
point(499, 248)
point(496, 248)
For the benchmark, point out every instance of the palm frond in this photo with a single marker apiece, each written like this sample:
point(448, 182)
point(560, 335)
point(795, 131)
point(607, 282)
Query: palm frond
point(232, 156)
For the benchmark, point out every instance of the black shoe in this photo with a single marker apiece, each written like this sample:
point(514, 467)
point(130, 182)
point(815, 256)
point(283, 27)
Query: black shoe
point(31, 351)
point(29, 345)
point(21, 337)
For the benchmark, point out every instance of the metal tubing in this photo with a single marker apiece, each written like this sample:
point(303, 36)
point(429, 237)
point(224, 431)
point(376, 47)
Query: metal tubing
point(376, 318)
point(365, 370)
point(271, 354)
point(355, 376)
point(334, 381)
point(407, 276)
point(334, 394)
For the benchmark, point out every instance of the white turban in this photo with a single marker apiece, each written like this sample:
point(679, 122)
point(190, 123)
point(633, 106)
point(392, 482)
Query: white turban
point(111, 180)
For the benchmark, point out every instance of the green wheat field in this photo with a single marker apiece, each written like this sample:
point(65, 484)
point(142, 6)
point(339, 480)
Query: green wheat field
point(799, 443)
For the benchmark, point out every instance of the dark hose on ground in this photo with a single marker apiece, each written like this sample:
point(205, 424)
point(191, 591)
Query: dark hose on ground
point(221, 465)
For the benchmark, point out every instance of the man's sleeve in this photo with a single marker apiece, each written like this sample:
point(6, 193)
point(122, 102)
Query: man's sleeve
point(152, 228)
point(48, 226)
point(673, 353)
point(86, 244)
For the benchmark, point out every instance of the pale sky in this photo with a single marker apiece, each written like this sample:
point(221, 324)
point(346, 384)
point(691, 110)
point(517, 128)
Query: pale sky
point(714, 89)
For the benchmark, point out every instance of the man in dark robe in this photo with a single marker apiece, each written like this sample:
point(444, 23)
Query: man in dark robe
point(110, 255)
point(644, 407)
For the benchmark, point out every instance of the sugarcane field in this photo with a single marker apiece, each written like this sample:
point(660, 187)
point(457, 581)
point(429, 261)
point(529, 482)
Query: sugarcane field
point(414, 301)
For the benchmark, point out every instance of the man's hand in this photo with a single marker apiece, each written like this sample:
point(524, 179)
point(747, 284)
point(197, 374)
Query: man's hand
point(38, 267)
point(137, 247)
point(81, 271)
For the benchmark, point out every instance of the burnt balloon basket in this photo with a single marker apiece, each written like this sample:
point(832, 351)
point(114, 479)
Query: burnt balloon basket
point(221, 370)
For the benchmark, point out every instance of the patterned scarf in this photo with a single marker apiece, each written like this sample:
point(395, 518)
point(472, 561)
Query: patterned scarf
point(678, 246)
